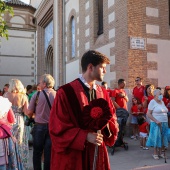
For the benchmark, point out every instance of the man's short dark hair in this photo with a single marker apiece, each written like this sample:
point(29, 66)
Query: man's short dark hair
point(138, 78)
point(93, 57)
point(120, 81)
point(103, 83)
point(29, 87)
point(6, 85)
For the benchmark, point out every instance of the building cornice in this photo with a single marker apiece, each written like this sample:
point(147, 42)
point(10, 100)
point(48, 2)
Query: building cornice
point(44, 13)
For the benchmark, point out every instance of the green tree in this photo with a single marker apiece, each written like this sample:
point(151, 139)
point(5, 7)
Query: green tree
point(3, 26)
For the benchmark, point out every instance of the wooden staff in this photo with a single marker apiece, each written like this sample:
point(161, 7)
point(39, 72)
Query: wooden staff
point(96, 153)
point(163, 147)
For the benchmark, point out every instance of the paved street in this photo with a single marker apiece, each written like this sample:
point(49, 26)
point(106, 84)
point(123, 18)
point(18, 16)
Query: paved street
point(134, 157)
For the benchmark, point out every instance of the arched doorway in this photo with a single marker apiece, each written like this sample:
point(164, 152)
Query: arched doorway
point(49, 60)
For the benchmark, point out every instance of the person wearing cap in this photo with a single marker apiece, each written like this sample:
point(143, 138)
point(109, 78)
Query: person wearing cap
point(166, 100)
point(139, 89)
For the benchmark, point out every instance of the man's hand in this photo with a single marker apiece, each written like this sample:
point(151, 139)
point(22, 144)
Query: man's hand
point(95, 138)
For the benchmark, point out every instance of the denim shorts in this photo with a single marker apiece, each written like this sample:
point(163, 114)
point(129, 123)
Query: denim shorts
point(134, 120)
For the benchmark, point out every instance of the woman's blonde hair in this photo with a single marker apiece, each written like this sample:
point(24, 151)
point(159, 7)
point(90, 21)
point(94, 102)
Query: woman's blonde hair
point(16, 86)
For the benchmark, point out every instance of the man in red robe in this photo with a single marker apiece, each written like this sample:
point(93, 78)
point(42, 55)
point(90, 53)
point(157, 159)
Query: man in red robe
point(73, 147)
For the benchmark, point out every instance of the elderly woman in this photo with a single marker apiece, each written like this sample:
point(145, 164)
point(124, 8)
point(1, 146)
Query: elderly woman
point(157, 112)
point(17, 96)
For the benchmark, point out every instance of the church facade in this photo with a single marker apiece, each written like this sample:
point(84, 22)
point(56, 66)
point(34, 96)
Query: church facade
point(135, 35)
point(18, 53)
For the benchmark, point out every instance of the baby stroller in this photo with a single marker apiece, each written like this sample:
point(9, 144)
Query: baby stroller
point(122, 116)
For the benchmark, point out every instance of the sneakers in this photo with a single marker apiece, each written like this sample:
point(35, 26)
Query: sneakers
point(145, 148)
point(162, 156)
point(135, 138)
point(156, 157)
point(132, 137)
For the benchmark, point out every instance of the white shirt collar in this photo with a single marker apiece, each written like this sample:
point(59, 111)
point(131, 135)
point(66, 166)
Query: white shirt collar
point(85, 82)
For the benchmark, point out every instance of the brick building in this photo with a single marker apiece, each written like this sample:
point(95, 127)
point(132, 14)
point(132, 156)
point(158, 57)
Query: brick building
point(135, 35)
point(18, 53)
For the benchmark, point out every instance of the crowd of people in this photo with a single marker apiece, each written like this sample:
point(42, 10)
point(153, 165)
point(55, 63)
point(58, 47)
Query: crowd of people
point(72, 126)
point(28, 107)
point(150, 113)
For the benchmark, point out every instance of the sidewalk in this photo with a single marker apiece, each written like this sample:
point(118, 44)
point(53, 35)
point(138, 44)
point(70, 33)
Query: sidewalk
point(135, 157)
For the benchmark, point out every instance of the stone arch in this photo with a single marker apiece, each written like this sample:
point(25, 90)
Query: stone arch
point(49, 60)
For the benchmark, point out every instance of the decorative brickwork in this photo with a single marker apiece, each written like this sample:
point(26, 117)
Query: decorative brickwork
point(123, 20)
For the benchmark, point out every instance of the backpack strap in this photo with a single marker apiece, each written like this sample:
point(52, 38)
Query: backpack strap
point(49, 104)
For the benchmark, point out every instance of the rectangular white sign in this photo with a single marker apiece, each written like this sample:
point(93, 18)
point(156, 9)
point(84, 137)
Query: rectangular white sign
point(137, 43)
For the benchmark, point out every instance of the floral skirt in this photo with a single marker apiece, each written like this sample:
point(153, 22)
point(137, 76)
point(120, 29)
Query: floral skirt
point(158, 137)
point(14, 159)
point(20, 133)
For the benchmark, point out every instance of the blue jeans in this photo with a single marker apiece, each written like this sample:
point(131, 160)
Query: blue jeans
point(41, 142)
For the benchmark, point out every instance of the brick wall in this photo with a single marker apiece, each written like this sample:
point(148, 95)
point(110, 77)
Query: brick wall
point(140, 20)
point(132, 19)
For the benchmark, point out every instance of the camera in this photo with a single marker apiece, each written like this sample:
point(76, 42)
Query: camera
point(28, 121)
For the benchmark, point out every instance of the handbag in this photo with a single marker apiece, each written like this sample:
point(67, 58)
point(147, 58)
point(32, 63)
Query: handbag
point(28, 121)
point(5, 131)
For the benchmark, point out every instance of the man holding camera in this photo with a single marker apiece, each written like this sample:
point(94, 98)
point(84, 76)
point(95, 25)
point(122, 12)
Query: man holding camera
point(41, 105)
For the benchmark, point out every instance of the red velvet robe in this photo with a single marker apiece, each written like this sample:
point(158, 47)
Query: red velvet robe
point(70, 150)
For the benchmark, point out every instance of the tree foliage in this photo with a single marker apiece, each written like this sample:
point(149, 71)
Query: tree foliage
point(4, 8)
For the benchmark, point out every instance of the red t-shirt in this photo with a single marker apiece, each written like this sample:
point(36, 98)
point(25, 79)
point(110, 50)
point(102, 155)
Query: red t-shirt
point(142, 128)
point(139, 92)
point(121, 101)
point(167, 103)
point(109, 92)
point(149, 99)
point(135, 108)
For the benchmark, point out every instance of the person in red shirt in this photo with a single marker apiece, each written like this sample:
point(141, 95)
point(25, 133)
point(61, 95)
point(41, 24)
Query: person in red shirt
point(119, 96)
point(143, 131)
point(139, 89)
point(136, 109)
point(104, 85)
point(148, 96)
point(166, 100)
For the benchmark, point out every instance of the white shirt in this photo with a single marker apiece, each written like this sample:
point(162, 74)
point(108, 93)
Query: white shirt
point(159, 111)
point(85, 82)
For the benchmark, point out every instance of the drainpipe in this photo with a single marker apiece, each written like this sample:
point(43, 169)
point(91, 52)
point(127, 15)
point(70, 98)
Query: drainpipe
point(64, 57)
point(56, 53)
point(36, 54)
